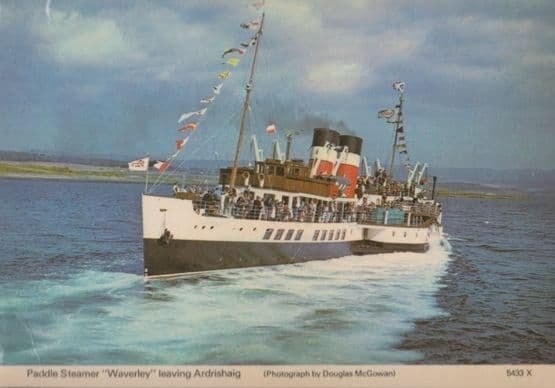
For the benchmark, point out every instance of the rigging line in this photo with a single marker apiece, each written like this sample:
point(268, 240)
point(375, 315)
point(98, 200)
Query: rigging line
point(169, 173)
point(200, 147)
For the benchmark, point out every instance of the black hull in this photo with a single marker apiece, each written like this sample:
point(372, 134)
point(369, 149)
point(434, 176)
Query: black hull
point(183, 256)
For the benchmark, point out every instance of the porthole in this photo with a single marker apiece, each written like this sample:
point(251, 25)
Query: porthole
point(196, 226)
point(393, 233)
point(240, 229)
point(212, 227)
point(203, 226)
point(404, 234)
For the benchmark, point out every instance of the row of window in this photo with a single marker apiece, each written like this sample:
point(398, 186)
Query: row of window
point(330, 235)
point(404, 234)
point(280, 232)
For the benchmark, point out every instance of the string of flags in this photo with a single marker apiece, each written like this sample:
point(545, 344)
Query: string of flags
point(394, 116)
point(399, 86)
point(190, 121)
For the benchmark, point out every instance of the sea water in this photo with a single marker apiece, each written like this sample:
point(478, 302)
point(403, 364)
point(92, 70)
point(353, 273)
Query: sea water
point(73, 293)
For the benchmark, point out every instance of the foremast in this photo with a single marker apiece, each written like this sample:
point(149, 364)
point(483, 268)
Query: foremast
point(249, 87)
point(398, 122)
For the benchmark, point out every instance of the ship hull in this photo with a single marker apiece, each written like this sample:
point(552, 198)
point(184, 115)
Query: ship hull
point(186, 256)
point(200, 243)
point(179, 256)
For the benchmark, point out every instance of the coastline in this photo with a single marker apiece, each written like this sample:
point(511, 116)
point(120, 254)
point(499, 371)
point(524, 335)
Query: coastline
point(91, 173)
point(82, 172)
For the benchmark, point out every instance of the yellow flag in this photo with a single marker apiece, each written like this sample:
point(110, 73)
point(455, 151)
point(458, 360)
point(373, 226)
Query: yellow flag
point(224, 74)
point(233, 61)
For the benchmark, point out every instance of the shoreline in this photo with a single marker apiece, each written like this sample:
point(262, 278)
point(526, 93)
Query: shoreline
point(88, 173)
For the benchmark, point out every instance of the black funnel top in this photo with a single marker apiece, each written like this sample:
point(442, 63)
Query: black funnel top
point(353, 142)
point(321, 135)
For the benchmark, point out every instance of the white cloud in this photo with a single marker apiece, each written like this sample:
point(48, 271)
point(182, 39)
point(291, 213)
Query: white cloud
point(334, 77)
point(74, 39)
point(329, 46)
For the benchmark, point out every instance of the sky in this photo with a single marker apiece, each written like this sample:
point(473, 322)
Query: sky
point(111, 78)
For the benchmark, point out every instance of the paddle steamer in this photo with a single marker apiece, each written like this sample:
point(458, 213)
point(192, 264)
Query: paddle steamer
point(282, 210)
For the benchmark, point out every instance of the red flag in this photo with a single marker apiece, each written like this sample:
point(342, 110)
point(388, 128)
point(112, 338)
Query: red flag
point(179, 143)
point(188, 127)
point(161, 166)
point(270, 129)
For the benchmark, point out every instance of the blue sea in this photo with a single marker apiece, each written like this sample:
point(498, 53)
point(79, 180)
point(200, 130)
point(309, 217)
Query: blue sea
point(73, 291)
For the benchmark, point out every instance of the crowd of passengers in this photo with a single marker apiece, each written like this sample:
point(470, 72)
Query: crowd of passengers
point(248, 205)
point(381, 185)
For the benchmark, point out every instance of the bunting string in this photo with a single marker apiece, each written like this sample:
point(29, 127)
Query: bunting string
point(189, 122)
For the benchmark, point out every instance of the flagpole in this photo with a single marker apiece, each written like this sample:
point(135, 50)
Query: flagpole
point(245, 106)
point(146, 178)
point(397, 123)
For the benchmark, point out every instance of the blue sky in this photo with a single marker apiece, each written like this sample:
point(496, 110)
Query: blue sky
point(112, 77)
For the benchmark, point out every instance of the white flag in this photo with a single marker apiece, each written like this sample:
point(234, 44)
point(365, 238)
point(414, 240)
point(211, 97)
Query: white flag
point(208, 99)
point(395, 117)
point(399, 86)
point(139, 164)
point(185, 116)
point(217, 88)
point(386, 113)
point(175, 154)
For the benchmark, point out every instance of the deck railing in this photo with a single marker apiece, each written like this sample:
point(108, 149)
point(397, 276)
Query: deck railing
point(412, 215)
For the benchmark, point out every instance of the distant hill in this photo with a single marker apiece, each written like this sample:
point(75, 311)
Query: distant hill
point(21, 156)
point(523, 179)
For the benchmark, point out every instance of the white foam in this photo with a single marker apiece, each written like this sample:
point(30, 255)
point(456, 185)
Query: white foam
point(347, 310)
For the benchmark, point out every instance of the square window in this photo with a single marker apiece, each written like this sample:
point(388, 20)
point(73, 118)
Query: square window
point(299, 234)
point(316, 234)
point(324, 232)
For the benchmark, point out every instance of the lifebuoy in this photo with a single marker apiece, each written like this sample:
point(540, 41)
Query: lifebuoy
point(246, 176)
point(166, 237)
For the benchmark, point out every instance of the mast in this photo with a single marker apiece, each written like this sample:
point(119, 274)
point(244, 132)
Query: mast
point(397, 125)
point(246, 106)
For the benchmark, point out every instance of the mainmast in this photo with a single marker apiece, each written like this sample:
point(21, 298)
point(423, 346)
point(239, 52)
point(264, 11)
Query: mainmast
point(397, 126)
point(246, 106)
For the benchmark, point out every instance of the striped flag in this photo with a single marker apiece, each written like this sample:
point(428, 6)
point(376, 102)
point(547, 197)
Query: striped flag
point(161, 166)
